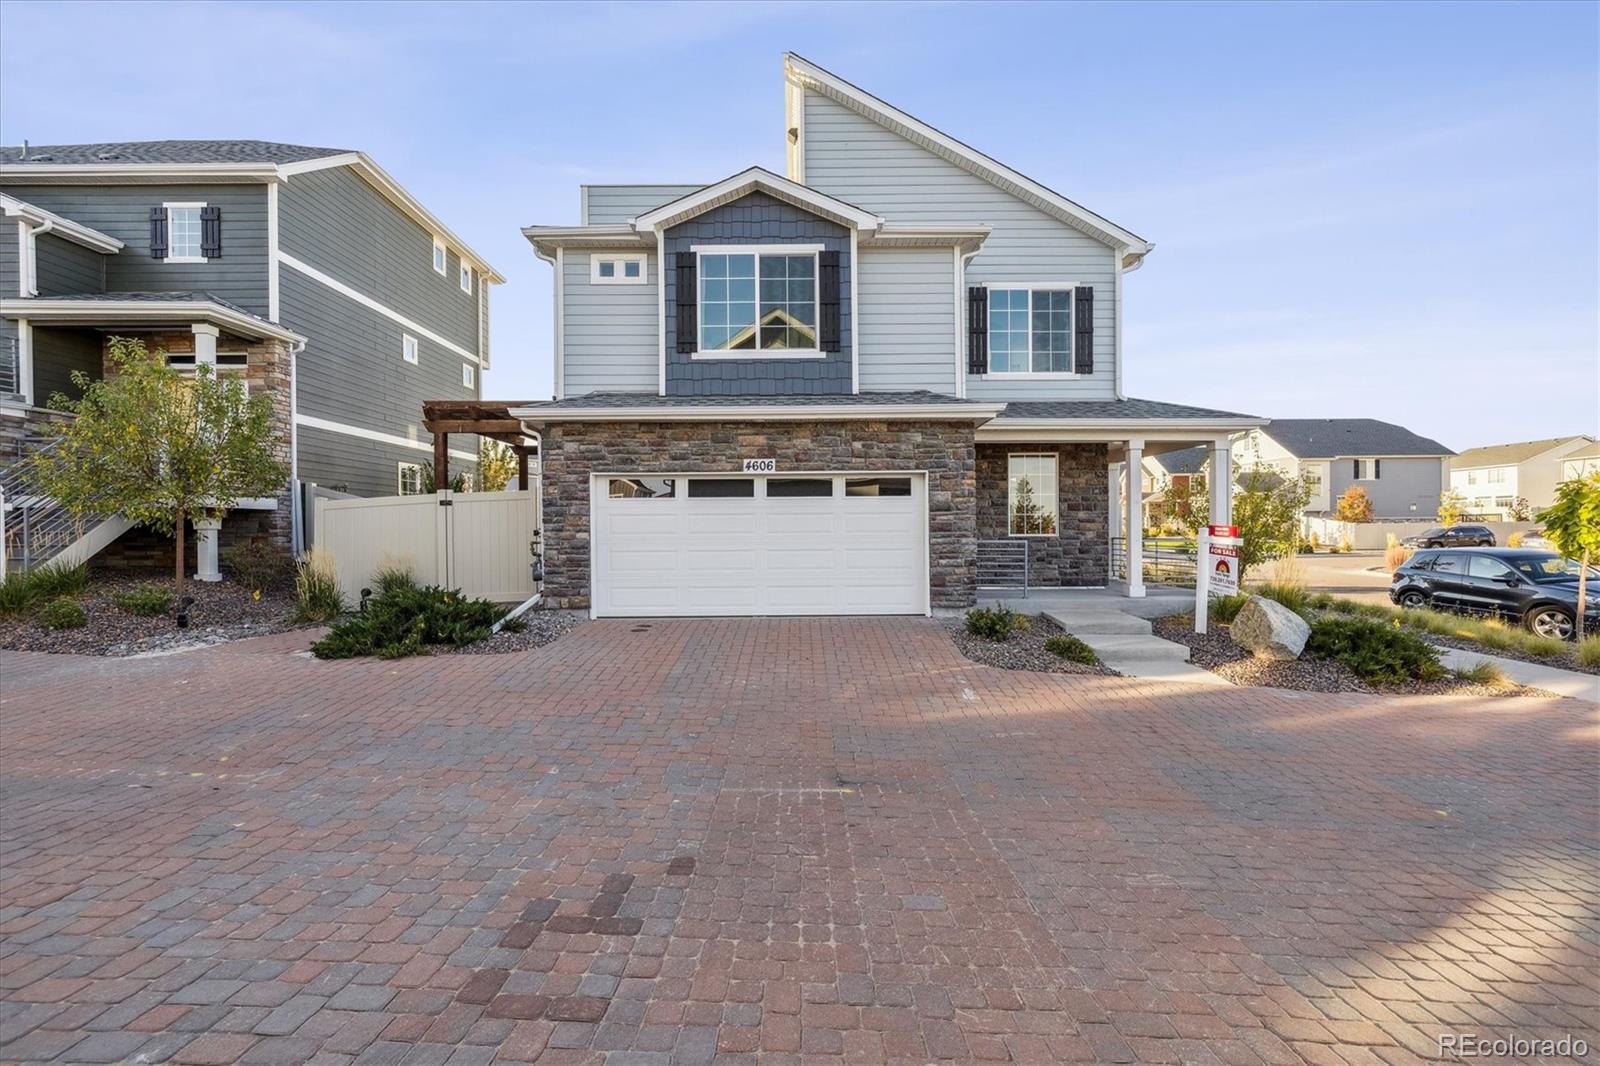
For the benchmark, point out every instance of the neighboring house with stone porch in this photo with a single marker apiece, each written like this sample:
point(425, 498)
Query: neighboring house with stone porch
point(307, 271)
point(867, 385)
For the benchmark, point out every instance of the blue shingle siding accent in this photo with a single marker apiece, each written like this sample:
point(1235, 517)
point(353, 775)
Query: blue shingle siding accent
point(758, 219)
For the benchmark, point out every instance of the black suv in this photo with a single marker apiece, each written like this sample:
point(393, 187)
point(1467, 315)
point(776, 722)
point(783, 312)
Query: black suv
point(1456, 536)
point(1537, 588)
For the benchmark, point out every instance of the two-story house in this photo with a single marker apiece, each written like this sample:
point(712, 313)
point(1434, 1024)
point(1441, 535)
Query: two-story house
point(1401, 472)
point(822, 391)
point(310, 272)
point(1499, 481)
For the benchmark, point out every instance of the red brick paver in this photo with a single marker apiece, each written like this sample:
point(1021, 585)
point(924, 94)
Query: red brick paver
point(786, 840)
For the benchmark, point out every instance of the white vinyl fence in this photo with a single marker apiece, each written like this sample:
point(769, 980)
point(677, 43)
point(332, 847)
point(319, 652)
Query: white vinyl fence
point(1369, 535)
point(478, 542)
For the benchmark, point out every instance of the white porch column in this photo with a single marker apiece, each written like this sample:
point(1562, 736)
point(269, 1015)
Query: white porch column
point(24, 366)
point(1221, 482)
point(1113, 515)
point(1135, 522)
point(205, 343)
point(205, 549)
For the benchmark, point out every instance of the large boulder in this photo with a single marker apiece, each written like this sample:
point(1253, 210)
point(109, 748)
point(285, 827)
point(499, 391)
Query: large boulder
point(1270, 630)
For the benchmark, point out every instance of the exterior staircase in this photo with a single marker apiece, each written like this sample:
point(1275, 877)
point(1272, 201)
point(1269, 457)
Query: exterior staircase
point(1125, 643)
point(38, 530)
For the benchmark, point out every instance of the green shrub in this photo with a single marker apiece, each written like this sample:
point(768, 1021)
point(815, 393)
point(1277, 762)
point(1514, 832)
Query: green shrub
point(1320, 601)
point(1355, 608)
point(1068, 647)
point(1482, 672)
point(255, 564)
point(62, 614)
point(1225, 609)
point(393, 575)
point(1589, 651)
point(145, 600)
point(996, 623)
point(1291, 594)
point(1382, 654)
point(404, 620)
point(316, 588)
point(55, 580)
point(16, 593)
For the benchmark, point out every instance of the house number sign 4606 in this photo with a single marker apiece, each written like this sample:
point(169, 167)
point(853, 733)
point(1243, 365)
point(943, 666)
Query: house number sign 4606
point(761, 466)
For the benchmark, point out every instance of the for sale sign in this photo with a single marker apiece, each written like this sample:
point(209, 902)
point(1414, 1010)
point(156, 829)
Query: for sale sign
point(1216, 569)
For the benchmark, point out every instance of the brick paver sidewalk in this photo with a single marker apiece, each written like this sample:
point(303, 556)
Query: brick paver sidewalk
point(786, 840)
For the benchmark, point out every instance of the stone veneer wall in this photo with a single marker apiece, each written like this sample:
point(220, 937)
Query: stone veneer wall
point(943, 449)
point(1078, 554)
point(267, 372)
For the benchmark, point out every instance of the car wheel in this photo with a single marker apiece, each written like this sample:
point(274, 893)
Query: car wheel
point(1413, 599)
point(1550, 622)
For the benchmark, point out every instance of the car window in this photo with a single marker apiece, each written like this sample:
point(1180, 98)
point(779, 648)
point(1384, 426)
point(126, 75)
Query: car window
point(1421, 562)
point(1448, 564)
point(1487, 566)
point(1434, 532)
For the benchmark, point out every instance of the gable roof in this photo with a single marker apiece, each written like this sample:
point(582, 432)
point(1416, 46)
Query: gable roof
point(807, 74)
point(1591, 451)
point(61, 226)
point(1183, 461)
point(1510, 454)
point(166, 152)
point(1332, 438)
point(751, 180)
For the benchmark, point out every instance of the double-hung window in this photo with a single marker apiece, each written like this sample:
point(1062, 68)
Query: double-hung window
point(466, 279)
point(441, 258)
point(410, 479)
point(1366, 469)
point(758, 301)
point(1031, 507)
point(1030, 330)
point(183, 233)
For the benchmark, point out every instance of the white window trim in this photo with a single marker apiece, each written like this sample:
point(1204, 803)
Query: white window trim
point(469, 376)
point(441, 258)
point(400, 479)
point(464, 278)
point(1072, 336)
point(758, 250)
point(1055, 496)
point(408, 343)
point(1366, 470)
point(183, 258)
point(619, 258)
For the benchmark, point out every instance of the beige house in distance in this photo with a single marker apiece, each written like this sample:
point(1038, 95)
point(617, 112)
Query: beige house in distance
point(1492, 478)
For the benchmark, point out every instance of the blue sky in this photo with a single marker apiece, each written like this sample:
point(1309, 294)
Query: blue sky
point(1359, 210)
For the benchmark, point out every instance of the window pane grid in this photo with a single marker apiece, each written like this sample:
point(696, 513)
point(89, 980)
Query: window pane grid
point(1031, 495)
point(750, 301)
point(1030, 331)
point(183, 232)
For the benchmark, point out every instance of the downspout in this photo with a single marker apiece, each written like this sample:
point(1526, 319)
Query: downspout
point(31, 258)
point(297, 518)
point(1116, 346)
point(556, 312)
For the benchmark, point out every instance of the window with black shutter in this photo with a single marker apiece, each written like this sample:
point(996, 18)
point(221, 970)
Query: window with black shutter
point(1083, 335)
point(688, 327)
point(211, 232)
point(977, 330)
point(158, 233)
point(828, 301)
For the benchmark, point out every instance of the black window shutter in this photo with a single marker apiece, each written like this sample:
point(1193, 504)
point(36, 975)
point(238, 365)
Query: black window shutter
point(1355, 469)
point(1377, 469)
point(211, 232)
point(828, 301)
point(158, 233)
point(1083, 329)
point(977, 330)
point(688, 295)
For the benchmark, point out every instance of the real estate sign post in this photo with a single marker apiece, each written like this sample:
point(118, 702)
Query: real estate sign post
point(1216, 570)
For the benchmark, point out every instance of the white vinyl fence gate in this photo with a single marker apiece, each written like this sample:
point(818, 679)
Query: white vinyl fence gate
point(478, 542)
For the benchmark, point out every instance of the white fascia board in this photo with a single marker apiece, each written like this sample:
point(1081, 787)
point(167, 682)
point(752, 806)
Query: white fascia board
point(767, 413)
point(139, 173)
point(968, 238)
point(546, 239)
point(809, 75)
point(730, 188)
point(62, 227)
point(91, 312)
point(1117, 427)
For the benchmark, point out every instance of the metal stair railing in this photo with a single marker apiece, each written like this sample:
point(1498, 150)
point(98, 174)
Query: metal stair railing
point(37, 527)
point(1003, 564)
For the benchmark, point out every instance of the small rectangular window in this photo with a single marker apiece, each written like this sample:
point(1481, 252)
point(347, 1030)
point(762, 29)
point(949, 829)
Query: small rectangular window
point(722, 488)
point(643, 488)
point(877, 486)
point(1031, 495)
point(783, 487)
point(410, 479)
point(616, 269)
point(441, 259)
point(469, 377)
point(183, 233)
point(466, 279)
point(1366, 469)
point(408, 348)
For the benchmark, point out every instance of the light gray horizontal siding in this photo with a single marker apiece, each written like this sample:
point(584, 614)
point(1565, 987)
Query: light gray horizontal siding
point(618, 203)
point(334, 221)
point(351, 370)
point(364, 467)
point(123, 211)
point(1405, 488)
point(907, 336)
point(855, 159)
point(609, 331)
point(65, 268)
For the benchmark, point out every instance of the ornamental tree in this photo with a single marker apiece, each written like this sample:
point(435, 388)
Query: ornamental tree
point(1354, 505)
point(1452, 506)
point(159, 447)
point(1267, 509)
point(497, 465)
point(1573, 525)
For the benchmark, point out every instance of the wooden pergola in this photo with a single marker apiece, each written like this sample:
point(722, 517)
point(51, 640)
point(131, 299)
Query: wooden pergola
point(484, 418)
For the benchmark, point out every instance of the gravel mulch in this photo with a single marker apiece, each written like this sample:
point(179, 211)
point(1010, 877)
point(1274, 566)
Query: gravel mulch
point(222, 611)
point(1024, 651)
point(543, 627)
point(1216, 651)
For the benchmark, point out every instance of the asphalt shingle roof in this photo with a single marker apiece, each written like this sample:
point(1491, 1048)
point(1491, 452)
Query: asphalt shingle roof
point(1328, 438)
point(1102, 409)
point(168, 152)
point(1507, 454)
point(1187, 461)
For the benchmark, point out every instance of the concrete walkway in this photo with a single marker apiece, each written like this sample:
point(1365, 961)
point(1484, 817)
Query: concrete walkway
point(1569, 683)
point(1125, 643)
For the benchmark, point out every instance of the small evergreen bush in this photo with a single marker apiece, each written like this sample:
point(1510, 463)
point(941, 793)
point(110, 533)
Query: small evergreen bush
point(1382, 654)
point(996, 623)
point(1068, 647)
point(144, 600)
point(405, 620)
point(62, 614)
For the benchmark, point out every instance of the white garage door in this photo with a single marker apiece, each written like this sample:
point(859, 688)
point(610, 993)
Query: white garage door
point(781, 544)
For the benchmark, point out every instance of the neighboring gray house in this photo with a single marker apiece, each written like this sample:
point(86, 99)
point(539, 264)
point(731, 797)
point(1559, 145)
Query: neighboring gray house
point(308, 271)
point(1402, 472)
point(866, 385)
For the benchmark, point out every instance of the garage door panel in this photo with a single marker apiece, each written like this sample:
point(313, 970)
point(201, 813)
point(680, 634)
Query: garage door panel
point(643, 561)
point(642, 523)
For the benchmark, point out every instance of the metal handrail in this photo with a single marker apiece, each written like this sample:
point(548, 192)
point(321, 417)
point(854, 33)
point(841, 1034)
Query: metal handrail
point(42, 527)
point(1004, 563)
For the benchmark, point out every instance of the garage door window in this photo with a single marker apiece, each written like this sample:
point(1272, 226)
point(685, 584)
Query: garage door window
point(722, 488)
point(877, 486)
point(642, 488)
point(799, 486)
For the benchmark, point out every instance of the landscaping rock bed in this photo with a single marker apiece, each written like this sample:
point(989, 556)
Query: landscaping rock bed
point(1568, 661)
point(1216, 651)
point(221, 611)
point(1023, 651)
point(543, 627)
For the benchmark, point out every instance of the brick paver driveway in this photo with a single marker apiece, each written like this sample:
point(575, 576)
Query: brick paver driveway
point(786, 839)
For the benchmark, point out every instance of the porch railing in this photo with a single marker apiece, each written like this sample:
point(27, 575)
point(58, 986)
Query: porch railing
point(1004, 564)
point(10, 368)
point(1167, 560)
point(35, 528)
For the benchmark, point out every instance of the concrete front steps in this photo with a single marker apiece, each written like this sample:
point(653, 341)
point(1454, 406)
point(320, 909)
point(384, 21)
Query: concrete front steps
point(1125, 643)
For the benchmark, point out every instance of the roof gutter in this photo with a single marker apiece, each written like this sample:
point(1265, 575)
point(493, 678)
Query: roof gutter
point(99, 312)
point(534, 416)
